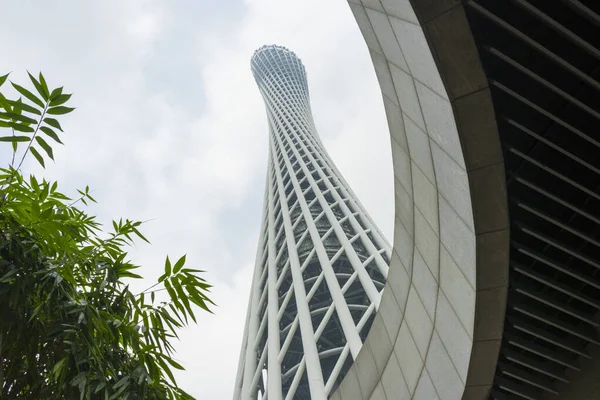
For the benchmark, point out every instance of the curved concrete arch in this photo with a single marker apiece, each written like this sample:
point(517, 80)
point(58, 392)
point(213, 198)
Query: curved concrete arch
point(439, 326)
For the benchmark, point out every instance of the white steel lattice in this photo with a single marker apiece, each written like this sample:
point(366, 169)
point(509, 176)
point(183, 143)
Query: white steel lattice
point(321, 263)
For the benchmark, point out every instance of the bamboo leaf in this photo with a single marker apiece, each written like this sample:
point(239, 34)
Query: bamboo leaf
point(185, 301)
point(138, 233)
point(37, 156)
point(121, 382)
point(33, 98)
point(3, 78)
point(127, 274)
point(9, 274)
point(53, 123)
point(4, 103)
point(44, 85)
point(124, 386)
point(166, 368)
point(175, 364)
point(55, 93)
point(61, 99)
point(190, 270)
point(38, 87)
point(34, 183)
point(171, 291)
point(18, 117)
point(100, 386)
point(15, 139)
point(25, 107)
point(45, 146)
point(168, 266)
point(21, 127)
point(179, 264)
point(58, 367)
point(51, 133)
point(59, 110)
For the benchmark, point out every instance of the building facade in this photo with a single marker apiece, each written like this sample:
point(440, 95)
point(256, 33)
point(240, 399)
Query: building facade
point(321, 263)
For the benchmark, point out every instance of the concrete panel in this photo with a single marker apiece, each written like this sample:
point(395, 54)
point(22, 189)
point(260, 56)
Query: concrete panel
point(403, 244)
point(380, 344)
point(426, 285)
point(429, 9)
point(425, 196)
point(420, 151)
point(389, 44)
point(404, 204)
point(337, 395)
point(399, 282)
point(366, 371)
point(489, 214)
point(378, 393)
point(373, 4)
point(440, 122)
point(421, 65)
point(366, 29)
point(484, 356)
point(393, 381)
point(390, 311)
point(384, 76)
point(408, 357)
point(349, 389)
point(425, 389)
point(395, 123)
point(477, 392)
point(458, 239)
point(453, 185)
point(493, 254)
point(490, 302)
point(444, 377)
point(427, 242)
point(400, 9)
point(418, 321)
point(458, 291)
point(456, 54)
point(401, 162)
point(407, 95)
point(454, 336)
point(479, 132)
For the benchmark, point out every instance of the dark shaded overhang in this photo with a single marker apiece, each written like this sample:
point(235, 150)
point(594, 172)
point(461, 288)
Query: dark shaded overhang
point(541, 69)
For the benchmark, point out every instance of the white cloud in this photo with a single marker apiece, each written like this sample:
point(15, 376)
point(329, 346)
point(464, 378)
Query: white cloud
point(171, 127)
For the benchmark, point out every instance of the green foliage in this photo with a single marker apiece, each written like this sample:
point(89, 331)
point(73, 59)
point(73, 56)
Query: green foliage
point(70, 327)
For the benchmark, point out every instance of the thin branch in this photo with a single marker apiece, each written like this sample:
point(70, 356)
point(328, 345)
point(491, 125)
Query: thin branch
point(34, 133)
point(12, 163)
point(75, 202)
point(154, 291)
point(146, 290)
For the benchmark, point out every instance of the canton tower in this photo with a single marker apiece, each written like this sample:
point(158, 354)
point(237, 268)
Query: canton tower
point(321, 262)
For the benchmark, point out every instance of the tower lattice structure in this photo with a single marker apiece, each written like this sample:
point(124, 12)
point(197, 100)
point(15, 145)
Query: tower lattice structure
point(321, 262)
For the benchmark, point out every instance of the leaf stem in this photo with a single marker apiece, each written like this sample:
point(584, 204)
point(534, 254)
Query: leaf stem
point(34, 133)
point(12, 163)
point(146, 290)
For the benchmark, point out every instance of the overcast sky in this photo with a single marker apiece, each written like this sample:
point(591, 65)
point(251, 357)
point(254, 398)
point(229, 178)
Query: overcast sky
point(171, 128)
